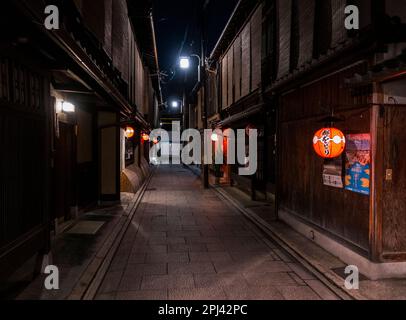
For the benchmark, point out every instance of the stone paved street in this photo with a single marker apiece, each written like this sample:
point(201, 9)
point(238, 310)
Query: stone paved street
point(187, 243)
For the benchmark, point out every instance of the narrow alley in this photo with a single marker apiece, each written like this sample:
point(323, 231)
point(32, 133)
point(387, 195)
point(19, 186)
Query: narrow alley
point(187, 243)
point(202, 150)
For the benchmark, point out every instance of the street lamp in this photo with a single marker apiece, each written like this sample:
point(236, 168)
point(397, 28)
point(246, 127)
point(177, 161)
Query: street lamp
point(175, 104)
point(184, 63)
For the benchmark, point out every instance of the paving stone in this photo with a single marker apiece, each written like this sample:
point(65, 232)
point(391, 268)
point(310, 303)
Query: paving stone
point(249, 293)
point(224, 280)
point(269, 279)
point(167, 257)
point(166, 240)
point(187, 248)
point(252, 267)
point(106, 296)
point(215, 247)
point(143, 295)
point(255, 257)
point(137, 258)
point(198, 294)
point(190, 268)
point(209, 256)
point(297, 293)
point(190, 233)
point(205, 240)
point(146, 269)
point(130, 282)
point(150, 248)
point(167, 282)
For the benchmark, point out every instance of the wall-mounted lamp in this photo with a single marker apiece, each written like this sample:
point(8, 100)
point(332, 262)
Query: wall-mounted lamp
point(68, 107)
point(64, 106)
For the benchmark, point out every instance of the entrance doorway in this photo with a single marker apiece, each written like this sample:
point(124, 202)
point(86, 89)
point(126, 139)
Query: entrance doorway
point(64, 176)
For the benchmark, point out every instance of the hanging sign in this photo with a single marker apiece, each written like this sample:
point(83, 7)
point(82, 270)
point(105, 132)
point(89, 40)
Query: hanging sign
point(358, 163)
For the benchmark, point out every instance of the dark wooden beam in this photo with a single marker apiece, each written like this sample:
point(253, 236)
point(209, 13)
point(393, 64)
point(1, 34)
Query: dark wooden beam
point(72, 88)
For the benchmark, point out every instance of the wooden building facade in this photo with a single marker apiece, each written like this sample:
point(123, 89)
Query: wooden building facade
point(235, 94)
point(66, 97)
point(285, 65)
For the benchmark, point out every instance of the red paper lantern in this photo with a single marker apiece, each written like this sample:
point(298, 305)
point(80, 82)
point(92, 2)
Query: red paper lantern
point(145, 137)
point(129, 132)
point(329, 143)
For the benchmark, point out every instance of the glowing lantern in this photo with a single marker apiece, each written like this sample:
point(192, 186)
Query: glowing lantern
point(145, 137)
point(329, 143)
point(129, 132)
point(214, 137)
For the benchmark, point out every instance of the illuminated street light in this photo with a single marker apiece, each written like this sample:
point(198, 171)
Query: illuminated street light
point(175, 104)
point(184, 63)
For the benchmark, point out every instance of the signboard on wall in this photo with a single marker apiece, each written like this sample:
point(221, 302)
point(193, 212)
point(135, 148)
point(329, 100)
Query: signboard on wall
point(358, 163)
point(333, 173)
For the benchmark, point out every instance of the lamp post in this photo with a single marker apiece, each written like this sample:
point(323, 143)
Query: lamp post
point(176, 104)
point(184, 64)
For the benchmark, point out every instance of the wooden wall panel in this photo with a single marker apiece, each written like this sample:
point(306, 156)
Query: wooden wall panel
point(256, 43)
point(224, 82)
point(394, 191)
point(306, 25)
point(139, 81)
point(316, 99)
point(339, 33)
point(246, 61)
point(343, 213)
point(237, 68)
point(108, 22)
point(24, 172)
point(118, 34)
point(93, 13)
point(285, 19)
point(212, 108)
point(230, 75)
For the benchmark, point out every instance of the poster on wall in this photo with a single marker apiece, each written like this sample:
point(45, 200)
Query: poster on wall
point(333, 173)
point(358, 163)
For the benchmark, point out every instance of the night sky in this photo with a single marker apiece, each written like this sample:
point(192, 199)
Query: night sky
point(176, 20)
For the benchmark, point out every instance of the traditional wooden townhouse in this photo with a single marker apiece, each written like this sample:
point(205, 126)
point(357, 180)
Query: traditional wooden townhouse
point(236, 99)
point(69, 100)
point(292, 67)
point(324, 75)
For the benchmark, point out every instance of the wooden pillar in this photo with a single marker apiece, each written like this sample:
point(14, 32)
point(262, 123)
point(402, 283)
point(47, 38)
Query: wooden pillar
point(377, 139)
